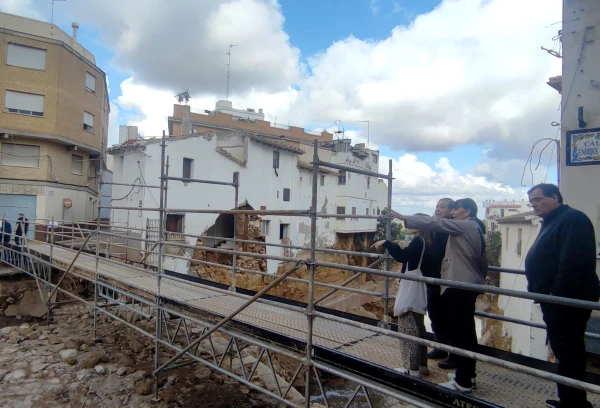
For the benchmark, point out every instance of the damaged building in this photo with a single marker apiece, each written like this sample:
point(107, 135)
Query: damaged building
point(274, 173)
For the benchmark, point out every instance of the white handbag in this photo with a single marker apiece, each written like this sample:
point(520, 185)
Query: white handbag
point(412, 295)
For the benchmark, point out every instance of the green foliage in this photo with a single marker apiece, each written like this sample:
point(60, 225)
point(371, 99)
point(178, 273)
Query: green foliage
point(398, 231)
point(494, 248)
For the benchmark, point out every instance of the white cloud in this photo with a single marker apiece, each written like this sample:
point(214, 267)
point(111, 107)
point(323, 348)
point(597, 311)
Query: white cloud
point(374, 5)
point(23, 8)
point(456, 75)
point(417, 187)
point(171, 48)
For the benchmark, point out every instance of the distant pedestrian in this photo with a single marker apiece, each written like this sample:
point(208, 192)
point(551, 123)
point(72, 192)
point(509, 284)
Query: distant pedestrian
point(562, 262)
point(22, 229)
point(411, 301)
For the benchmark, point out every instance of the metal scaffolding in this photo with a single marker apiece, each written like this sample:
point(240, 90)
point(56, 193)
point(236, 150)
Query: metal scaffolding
point(174, 317)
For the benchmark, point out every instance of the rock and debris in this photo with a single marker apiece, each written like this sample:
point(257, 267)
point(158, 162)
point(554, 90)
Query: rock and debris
point(61, 365)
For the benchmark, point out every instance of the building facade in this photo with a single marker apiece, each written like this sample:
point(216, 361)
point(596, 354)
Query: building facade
point(519, 232)
point(498, 209)
point(273, 175)
point(580, 121)
point(53, 122)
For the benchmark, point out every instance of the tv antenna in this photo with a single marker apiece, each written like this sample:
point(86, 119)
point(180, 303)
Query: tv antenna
point(338, 129)
point(183, 96)
point(229, 67)
point(52, 19)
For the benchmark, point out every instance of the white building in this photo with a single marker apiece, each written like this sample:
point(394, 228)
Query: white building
point(498, 209)
point(273, 175)
point(519, 232)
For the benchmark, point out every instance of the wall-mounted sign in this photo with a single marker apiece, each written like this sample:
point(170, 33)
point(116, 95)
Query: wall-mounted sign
point(583, 147)
point(67, 202)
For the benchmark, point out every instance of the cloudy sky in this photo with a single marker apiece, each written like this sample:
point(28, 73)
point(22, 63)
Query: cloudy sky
point(455, 90)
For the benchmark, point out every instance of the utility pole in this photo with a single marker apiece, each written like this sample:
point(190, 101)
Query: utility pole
point(368, 132)
point(229, 67)
point(52, 19)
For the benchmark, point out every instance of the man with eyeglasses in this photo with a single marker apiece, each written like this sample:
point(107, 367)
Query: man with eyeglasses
point(562, 262)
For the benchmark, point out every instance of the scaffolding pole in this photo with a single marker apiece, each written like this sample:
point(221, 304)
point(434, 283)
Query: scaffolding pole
point(161, 226)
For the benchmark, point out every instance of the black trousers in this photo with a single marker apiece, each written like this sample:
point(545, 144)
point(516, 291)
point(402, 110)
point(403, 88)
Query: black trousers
point(565, 328)
point(436, 308)
point(460, 315)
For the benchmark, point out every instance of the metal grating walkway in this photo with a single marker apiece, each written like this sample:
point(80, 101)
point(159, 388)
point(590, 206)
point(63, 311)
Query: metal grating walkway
point(494, 384)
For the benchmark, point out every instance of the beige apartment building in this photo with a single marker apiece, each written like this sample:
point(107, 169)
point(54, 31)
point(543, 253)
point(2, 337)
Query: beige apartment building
point(53, 122)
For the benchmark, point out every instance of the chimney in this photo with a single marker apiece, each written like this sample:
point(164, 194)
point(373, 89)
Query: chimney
point(75, 28)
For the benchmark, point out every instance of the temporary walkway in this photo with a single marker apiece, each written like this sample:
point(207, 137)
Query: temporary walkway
point(495, 385)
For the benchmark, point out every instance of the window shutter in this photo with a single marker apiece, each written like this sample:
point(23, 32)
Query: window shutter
point(24, 101)
point(88, 119)
point(90, 82)
point(26, 57)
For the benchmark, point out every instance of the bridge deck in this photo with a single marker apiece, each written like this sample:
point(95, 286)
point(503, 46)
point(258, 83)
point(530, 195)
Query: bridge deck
point(494, 384)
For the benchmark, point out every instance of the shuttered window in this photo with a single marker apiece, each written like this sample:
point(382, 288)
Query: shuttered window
point(24, 103)
point(26, 57)
point(88, 121)
point(90, 82)
point(20, 155)
point(76, 164)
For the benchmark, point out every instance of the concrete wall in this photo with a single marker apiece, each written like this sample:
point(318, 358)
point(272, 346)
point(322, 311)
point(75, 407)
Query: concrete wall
point(581, 35)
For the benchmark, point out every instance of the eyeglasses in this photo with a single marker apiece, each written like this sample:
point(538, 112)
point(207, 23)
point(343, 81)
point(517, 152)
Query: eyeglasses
point(535, 200)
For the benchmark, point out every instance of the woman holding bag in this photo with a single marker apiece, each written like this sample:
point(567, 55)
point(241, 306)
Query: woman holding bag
point(411, 301)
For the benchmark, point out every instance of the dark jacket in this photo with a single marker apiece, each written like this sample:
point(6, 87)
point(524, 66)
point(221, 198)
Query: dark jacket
point(562, 260)
point(22, 227)
point(410, 256)
point(440, 239)
point(6, 230)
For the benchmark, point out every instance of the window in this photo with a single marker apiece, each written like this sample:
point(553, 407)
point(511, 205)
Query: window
point(367, 212)
point(502, 212)
point(188, 168)
point(368, 183)
point(26, 57)
point(90, 83)
point(519, 240)
point(88, 122)
point(322, 180)
point(300, 179)
point(284, 231)
point(275, 159)
point(19, 155)
point(342, 177)
point(24, 103)
point(506, 239)
point(266, 227)
point(175, 223)
point(341, 210)
point(378, 211)
point(286, 194)
point(76, 164)
point(373, 211)
point(374, 158)
point(354, 212)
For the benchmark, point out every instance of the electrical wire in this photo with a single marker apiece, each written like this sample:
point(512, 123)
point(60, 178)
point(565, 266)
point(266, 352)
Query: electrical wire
point(549, 162)
point(130, 191)
point(144, 181)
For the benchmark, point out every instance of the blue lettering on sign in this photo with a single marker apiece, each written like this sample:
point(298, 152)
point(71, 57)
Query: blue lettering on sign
point(587, 152)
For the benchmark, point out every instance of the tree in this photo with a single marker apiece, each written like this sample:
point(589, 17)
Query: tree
point(397, 229)
point(494, 248)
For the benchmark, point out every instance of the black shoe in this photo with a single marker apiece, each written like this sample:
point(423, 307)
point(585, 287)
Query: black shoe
point(436, 354)
point(448, 363)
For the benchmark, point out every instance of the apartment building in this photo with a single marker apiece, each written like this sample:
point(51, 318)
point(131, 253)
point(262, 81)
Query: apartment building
point(53, 122)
